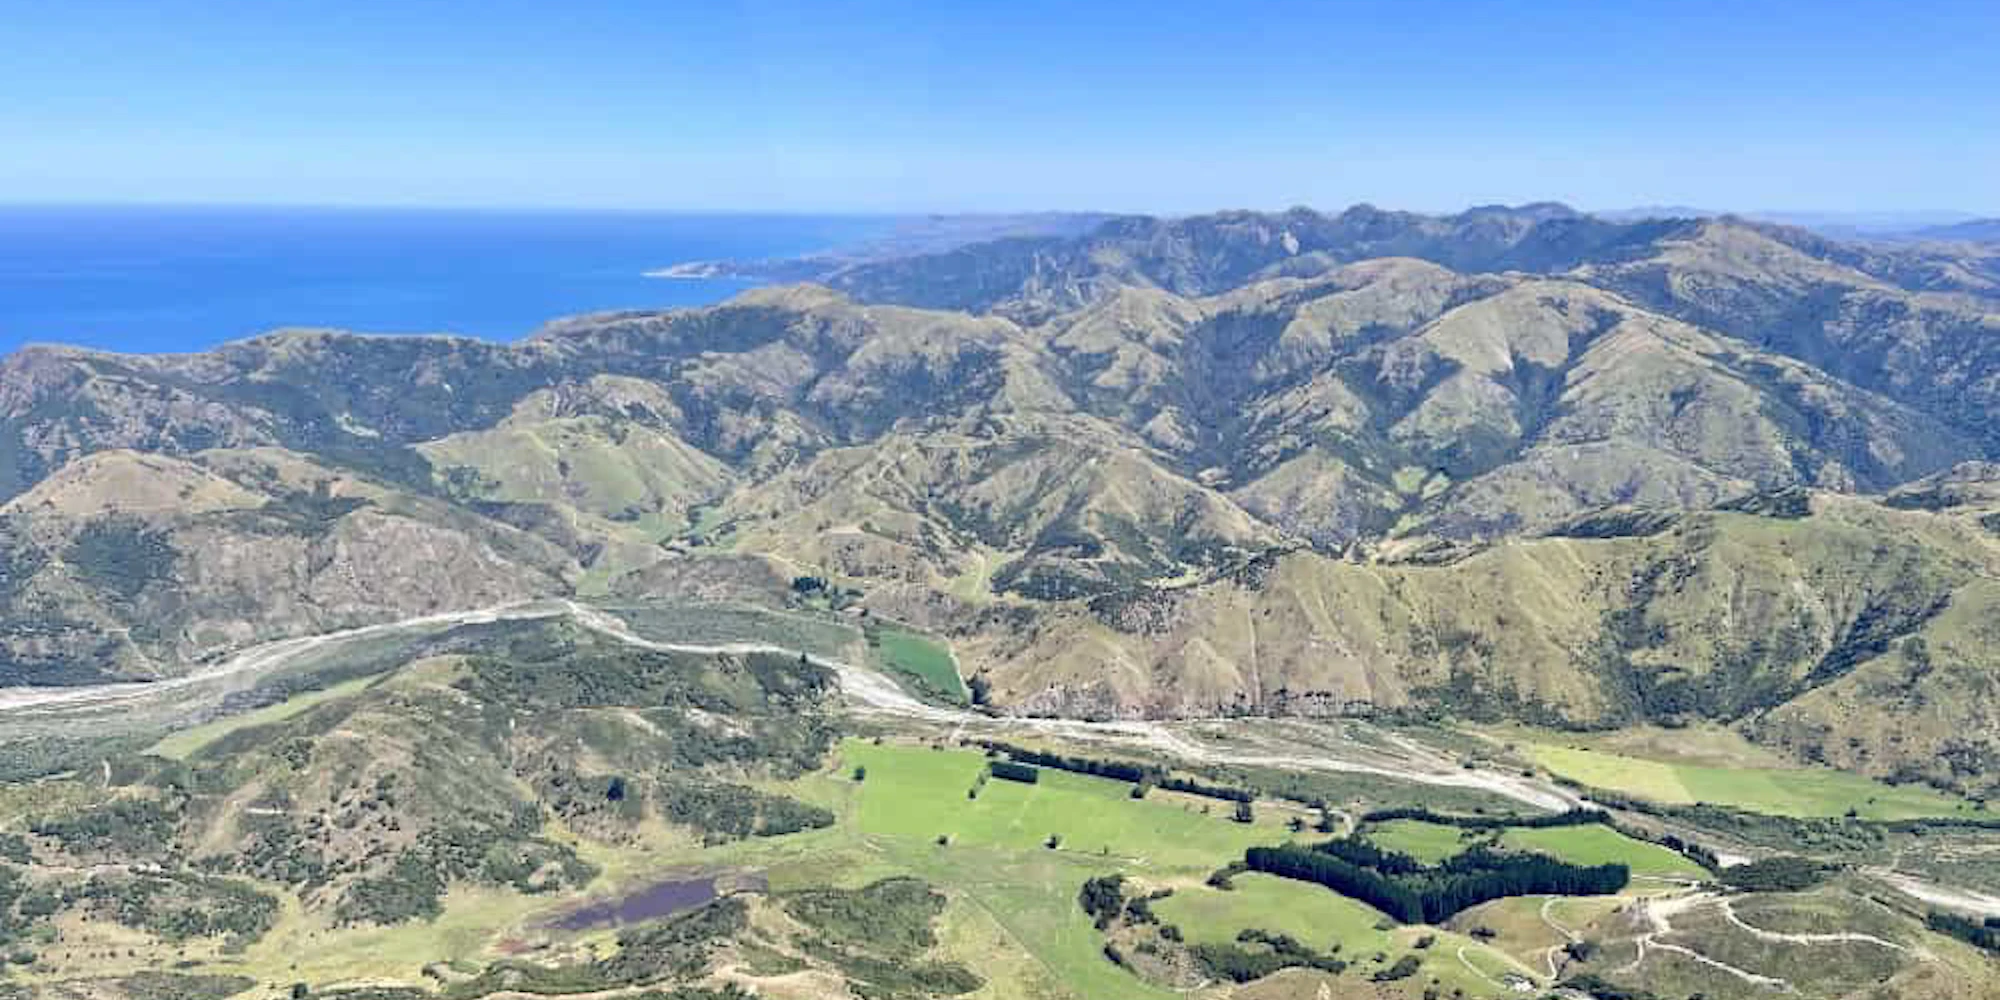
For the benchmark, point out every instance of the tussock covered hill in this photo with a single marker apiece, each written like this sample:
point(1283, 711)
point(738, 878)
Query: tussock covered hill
point(1513, 462)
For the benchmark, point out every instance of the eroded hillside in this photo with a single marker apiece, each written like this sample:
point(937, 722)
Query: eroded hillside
point(1512, 463)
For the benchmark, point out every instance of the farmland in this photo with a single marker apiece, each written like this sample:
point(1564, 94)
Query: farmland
point(921, 793)
point(1326, 921)
point(927, 662)
point(1589, 844)
point(1429, 843)
point(1599, 845)
point(1797, 792)
point(1009, 860)
point(997, 856)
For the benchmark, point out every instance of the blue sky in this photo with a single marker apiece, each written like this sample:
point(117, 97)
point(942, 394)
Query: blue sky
point(1160, 106)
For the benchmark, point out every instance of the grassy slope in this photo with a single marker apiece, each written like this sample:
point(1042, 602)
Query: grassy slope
point(1429, 843)
point(997, 868)
point(1581, 845)
point(1783, 792)
point(1942, 968)
point(921, 794)
point(1722, 615)
point(1013, 914)
point(1316, 917)
point(188, 742)
point(1600, 845)
point(623, 471)
point(925, 659)
point(632, 485)
point(1325, 920)
point(310, 947)
point(999, 862)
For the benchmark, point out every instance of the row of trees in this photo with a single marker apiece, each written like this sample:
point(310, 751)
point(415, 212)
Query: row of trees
point(1982, 934)
point(1700, 855)
point(1924, 824)
point(1433, 895)
point(1356, 851)
point(1573, 817)
point(1015, 772)
point(1193, 787)
point(1119, 770)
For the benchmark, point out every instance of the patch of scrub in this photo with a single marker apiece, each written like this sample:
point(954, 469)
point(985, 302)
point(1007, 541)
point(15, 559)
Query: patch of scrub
point(188, 742)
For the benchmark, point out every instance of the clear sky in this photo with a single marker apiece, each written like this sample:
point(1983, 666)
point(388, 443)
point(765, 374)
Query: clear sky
point(1011, 104)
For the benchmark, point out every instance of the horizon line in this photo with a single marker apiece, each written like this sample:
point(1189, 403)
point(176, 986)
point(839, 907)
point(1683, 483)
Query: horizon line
point(1852, 216)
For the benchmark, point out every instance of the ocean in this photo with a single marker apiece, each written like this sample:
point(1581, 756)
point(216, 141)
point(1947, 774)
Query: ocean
point(158, 279)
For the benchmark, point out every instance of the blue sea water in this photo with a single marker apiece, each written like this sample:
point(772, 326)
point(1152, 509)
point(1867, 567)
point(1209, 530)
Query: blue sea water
point(152, 279)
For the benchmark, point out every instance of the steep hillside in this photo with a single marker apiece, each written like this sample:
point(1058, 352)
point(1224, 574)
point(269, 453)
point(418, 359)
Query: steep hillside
point(1200, 255)
point(1977, 230)
point(123, 566)
point(1854, 634)
point(1934, 351)
point(325, 844)
point(1514, 461)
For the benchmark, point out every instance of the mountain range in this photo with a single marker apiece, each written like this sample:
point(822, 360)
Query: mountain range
point(1974, 230)
point(1517, 462)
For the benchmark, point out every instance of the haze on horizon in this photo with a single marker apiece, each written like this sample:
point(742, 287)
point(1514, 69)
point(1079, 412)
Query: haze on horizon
point(897, 107)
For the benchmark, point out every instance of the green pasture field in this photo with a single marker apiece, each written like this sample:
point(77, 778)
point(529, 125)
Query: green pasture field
point(1317, 917)
point(921, 793)
point(1595, 844)
point(1429, 843)
point(1327, 921)
point(920, 657)
point(1601, 845)
point(1013, 899)
point(1796, 792)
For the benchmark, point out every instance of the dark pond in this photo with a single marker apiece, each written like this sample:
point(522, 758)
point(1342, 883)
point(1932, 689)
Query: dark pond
point(658, 899)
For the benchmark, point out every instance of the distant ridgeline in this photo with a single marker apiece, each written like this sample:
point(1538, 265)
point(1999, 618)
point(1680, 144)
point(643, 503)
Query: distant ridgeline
point(1140, 434)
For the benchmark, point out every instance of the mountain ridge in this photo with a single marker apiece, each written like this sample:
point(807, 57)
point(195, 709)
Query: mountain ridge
point(1161, 417)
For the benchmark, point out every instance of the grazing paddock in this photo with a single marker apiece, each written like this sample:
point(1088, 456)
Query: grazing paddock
point(1798, 792)
point(1429, 843)
point(913, 791)
point(1601, 845)
point(922, 658)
